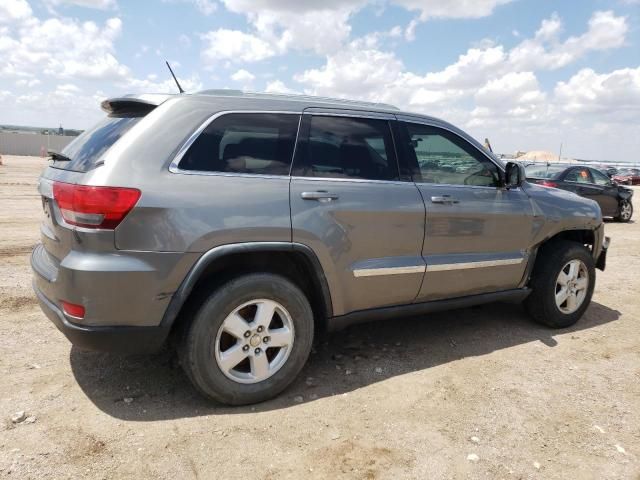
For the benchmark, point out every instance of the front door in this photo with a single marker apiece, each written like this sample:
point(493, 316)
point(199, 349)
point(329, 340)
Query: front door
point(606, 193)
point(477, 232)
point(349, 205)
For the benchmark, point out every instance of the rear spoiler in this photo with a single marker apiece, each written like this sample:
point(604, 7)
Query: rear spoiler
point(133, 104)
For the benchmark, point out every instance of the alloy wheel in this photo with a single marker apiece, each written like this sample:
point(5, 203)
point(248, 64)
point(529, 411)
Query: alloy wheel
point(625, 211)
point(254, 341)
point(571, 286)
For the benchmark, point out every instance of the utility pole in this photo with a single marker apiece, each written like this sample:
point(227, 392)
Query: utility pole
point(560, 154)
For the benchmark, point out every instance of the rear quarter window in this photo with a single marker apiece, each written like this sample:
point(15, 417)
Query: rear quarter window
point(255, 143)
point(86, 150)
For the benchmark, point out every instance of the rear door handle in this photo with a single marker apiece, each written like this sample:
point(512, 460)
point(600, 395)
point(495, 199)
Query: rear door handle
point(446, 199)
point(320, 195)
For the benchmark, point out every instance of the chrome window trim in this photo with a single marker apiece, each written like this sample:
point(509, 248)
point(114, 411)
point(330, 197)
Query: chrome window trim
point(174, 166)
point(439, 267)
point(455, 185)
point(322, 112)
point(374, 272)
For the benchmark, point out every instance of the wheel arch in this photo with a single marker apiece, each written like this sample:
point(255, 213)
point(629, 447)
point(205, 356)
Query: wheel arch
point(295, 261)
point(583, 236)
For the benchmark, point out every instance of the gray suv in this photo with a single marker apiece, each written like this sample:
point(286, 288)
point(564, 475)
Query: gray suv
point(241, 225)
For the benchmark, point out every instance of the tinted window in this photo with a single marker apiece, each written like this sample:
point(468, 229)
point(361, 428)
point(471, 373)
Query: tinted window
point(578, 175)
point(443, 157)
point(599, 178)
point(259, 143)
point(345, 147)
point(87, 148)
point(544, 171)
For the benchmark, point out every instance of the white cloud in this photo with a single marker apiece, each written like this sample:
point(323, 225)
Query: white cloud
point(150, 84)
point(452, 8)
point(438, 9)
point(615, 94)
point(14, 10)
point(515, 96)
point(544, 51)
point(243, 75)
point(299, 24)
point(63, 48)
point(353, 72)
point(99, 4)
point(234, 45)
point(277, 86)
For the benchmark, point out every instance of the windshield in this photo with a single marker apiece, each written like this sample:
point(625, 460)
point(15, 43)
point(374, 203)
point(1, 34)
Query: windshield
point(544, 171)
point(86, 149)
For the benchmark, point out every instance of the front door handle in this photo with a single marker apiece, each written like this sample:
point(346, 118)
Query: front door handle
point(445, 199)
point(320, 195)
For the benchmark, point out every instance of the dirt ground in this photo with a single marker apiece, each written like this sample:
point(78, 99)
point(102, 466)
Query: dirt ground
point(475, 393)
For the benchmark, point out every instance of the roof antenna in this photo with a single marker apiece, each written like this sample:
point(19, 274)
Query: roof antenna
point(174, 77)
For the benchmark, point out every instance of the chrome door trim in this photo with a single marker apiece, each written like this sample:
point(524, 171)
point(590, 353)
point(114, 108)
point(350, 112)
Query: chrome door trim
point(374, 272)
point(439, 267)
point(174, 165)
point(352, 180)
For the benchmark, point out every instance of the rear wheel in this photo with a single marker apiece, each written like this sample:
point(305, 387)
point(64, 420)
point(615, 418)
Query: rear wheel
point(249, 339)
point(562, 284)
point(626, 211)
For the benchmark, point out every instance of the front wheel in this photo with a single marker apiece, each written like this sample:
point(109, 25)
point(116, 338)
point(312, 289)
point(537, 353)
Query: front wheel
point(626, 211)
point(562, 284)
point(249, 339)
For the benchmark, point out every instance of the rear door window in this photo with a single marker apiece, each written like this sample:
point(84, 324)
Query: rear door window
point(578, 175)
point(346, 147)
point(254, 143)
point(87, 149)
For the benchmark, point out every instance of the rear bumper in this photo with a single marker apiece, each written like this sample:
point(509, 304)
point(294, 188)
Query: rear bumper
point(120, 339)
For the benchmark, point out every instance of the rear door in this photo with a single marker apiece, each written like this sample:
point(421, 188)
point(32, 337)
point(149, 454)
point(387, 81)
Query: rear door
point(349, 204)
point(477, 233)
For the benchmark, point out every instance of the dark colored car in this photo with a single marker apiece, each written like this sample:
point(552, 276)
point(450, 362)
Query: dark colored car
point(588, 182)
point(627, 176)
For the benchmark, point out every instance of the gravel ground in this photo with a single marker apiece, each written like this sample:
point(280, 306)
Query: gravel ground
point(474, 393)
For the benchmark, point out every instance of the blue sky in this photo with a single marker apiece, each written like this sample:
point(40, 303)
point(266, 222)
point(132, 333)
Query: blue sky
point(528, 74)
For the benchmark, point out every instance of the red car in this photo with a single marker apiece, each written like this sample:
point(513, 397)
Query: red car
point(627, 176)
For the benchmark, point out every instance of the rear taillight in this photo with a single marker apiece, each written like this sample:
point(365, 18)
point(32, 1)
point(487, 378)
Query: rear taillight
point(548, 183)
point(94, 207)
point(73, 309)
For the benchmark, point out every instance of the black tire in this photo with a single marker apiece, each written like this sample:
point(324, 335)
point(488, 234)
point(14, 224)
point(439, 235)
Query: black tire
point(541, 303)
point(197, 349)
point(624, 217)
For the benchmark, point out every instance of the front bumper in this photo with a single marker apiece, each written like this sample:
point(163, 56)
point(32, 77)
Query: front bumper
point(120, 339)
point(601, 261)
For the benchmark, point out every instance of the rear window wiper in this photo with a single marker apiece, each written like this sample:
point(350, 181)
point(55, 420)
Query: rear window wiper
point(58, 157)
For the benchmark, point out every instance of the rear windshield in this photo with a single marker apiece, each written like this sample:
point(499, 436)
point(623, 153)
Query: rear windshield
point(544, 171)
point(86, 150)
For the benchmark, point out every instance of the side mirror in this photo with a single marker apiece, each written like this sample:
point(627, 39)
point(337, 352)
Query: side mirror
point(514, 175)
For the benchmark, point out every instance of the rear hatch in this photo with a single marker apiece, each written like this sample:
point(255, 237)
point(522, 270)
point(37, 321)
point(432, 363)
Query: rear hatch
point(77, 223)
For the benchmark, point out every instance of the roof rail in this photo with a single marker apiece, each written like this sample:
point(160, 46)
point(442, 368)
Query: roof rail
point(295, 97)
